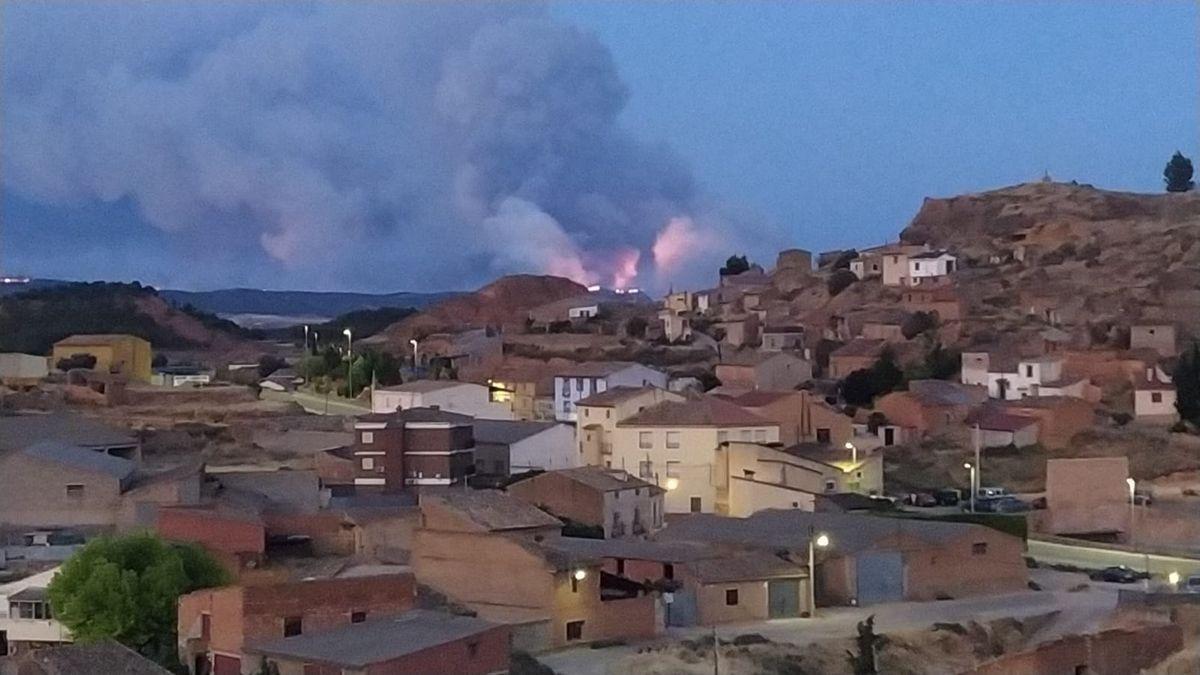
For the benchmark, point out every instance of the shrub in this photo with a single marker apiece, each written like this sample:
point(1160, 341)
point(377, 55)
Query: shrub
point(839, 281)
point(74, 361)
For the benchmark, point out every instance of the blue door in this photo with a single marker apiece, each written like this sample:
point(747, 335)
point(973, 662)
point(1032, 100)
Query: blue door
point(880, 577)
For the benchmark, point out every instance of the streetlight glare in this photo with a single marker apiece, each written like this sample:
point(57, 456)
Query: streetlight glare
point(580, 574)
point(849, 445)
point(346, 332)
point(822, 540)
point(966, 465)
point(672, 483)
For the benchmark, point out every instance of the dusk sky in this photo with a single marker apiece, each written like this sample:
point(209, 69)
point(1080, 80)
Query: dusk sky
point(386, 147)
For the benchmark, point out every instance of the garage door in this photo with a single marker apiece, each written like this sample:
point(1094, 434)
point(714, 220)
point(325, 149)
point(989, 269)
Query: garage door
point(880, 577)
point(783, 598)
point(226, 665)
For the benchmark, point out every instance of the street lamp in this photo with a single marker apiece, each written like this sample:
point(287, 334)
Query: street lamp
point(853, 452)
point(672, 484)
point(1173, 579)
point(349, 363)
point(971, 467)
point(1132, 492)
point(815, 541)
point(413, 342)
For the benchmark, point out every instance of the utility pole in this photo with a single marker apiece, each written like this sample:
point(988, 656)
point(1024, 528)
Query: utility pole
point(975, 436)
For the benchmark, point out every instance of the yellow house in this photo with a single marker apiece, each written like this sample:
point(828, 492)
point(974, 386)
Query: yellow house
point(115, 353)
point(597, 417)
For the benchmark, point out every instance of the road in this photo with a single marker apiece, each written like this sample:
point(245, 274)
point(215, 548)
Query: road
point(318, 404)
point(1098, 556)
point(1080, 611)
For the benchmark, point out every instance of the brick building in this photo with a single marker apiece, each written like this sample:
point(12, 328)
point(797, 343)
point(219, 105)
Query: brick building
point(411, 448)
point(623, 505)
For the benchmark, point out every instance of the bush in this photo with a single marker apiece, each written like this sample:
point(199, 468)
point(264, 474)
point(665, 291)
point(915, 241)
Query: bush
point(1178, 173)
point(839, 281)
point(1121, 418)
point(916, 323)
point(86, 361)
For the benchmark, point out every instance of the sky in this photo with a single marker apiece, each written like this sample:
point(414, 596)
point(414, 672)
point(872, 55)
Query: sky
point(431, 146)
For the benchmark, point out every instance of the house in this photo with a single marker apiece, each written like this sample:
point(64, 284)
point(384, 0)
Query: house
point(217, 627)
point(417, 642)
point(942, 300)
point(868, 264)
point(1086, 497)
point(930, 266)
point(1159, 337)
point(894, 262)
point(526, 390)
point(858, 354)
point(612, 499)
point(930, 406)
point(114, 353)
point(675, 327)
point(181, 376)
point(713, 584)
point(1001, 429)
point(550, 597)
point(581, 380)
point(598, 414)
point(751, 369)
point(737, 330)
point(504, 447)
point(1011, 377)
point(674, 444)
point(71, 659)
point(26, 619)
point(411, 448)
point(21, 371)
point(842, 470)
point(783, 338)
point(888, 330)
point(18, 431)
point(236, 538)
point(873, 559)
point(1154, 397)
point(801, 416)
point(464, 398)
point(1060, 418)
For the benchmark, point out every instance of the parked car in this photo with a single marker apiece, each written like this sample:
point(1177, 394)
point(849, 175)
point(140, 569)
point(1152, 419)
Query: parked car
point(1190, 584)
point(1118, 575)
point(1142, 499)
point(948, 497)
point(1002, 504)
point(985, 492)
point(921, 499)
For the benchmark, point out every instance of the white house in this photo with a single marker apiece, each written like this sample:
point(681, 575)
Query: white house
point(25, 617)
point(998, 429)
point(1154, 397)
point(584, 379)
point(464, 398)
point(505, 447)
point(583, 311)
point(22, 369)
point(929, 265)
point(1011, 378)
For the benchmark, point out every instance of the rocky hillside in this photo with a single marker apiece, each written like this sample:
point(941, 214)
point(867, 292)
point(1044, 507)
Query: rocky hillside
point(504, 302)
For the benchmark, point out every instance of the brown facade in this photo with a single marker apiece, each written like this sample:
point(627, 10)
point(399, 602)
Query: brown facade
point(1059, 418)
point(633, 511)
point(906, 409)
point(397, 453)
point(801, 416)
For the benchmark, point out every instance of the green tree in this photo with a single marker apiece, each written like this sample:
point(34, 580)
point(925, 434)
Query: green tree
point(86, 361)
point(861, 387)
point(1178, 174)
point(126, 589)
point(939, 363)
point(269, 363)
point(736, 264)
point(380, 367)
point(1187, 384)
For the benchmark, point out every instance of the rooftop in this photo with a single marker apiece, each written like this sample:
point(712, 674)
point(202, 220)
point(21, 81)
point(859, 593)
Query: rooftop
point(89, 339)
point(604, 480)
point(359, 645)
point(594, 368)
point(931, 255)
point(752, 357)
point(507, 432)
point(758, 398)
point(85, 658)
point(82, 458)
point(493, 510)
point(425, 386)
point(708, 411)
point(944, 393)
point(612, 396)
point(991, 419)
point(860, 347)
point(17, 431)
point(417, 415)
point(711, 564)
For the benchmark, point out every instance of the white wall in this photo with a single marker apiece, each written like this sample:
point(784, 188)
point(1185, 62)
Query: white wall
point(570, 389)
point(23, 366)
point(466, 398)
point(30, 630)
point(554, 448)
point(1145, 406)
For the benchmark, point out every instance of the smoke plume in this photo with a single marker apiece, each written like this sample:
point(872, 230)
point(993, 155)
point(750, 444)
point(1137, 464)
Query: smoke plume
point(371, 145)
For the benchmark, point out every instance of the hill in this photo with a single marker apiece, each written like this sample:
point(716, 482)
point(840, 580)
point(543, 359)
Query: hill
point(34, 320)
point(504, 302)
point(297, 303)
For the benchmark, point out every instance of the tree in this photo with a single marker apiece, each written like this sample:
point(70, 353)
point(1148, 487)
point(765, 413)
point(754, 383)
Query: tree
point(839, 281)
point(126, 589)
point(736, 264)
point(1178, 174)
point(635, 327)
point(86, 361)
point(380, 367)
point(918, 322)
point(868, 644)
point(888, 376)
point(939, 364)
point(1187, 385)
point(862, 386)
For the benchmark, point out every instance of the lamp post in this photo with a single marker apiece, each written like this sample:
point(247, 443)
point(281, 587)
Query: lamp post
point(853, 452)
point(1132, 491)
point(971, 467)
point(349, 363)
point(414, 343)
point(815, 540)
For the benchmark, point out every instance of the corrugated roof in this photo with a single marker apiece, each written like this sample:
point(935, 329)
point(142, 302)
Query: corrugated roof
point(943, 393)
point(507, 432)
point(419, 415)
point(359, 645)
point(82, 458)
point(931, 254)
point(18, 431)
point(708, 411)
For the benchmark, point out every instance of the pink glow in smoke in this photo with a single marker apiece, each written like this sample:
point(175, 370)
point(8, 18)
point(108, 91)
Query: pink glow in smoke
point(570, 266)
point(625, 268)
point(678, 241)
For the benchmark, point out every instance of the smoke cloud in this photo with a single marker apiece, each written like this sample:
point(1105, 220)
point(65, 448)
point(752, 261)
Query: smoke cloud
point(418, 145)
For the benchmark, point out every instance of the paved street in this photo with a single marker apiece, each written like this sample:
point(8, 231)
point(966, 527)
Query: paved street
point(1079, 611)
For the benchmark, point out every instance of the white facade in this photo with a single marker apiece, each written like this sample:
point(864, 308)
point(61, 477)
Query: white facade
point(16, 366)
point(1025, 380)
point(583, 311)
point(1002, 438)
point(29, 622)
point(921, 268)
point(554, 448)
point(464, 398)
point(1154, 398)
point(570, 388)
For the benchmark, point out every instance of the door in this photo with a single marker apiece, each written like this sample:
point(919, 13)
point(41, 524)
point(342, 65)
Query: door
point(3, 643)
point(880, 577)
point(682, 610)
point(889, 436)
point(783, 598)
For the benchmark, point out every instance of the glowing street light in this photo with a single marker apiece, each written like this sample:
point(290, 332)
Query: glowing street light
point(815, 540)
point(971, 467)
point(413, 342)
point(853, 452)
point(349, 363)
point(1173, 578)
point(580, 574)
point(672, 484)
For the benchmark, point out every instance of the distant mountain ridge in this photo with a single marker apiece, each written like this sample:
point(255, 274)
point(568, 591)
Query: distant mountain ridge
point(292, 303)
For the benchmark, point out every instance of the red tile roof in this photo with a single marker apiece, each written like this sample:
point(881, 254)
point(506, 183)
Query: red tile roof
point(709, 411)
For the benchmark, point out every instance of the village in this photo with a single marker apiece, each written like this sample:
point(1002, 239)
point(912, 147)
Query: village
point(924, 433)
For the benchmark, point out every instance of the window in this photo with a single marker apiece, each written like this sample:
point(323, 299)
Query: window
point(1156, 397)
point(979, 548)
point(368, 463)
point(831, 486)
point(358, 617)
point(293, 625)
point(696, 505)
point(587, 412)
point(205, 626)
point(672, 439)
point(918, 267)
point(672, 469)
point(621, 566)
point(760, 435)
point(368, 437)
point(731, 596)
point(645, 440)
point(75, 490)
point(574, 584)
point(823, 436)
point(579, 384)
point(607, 414)
point(574, 630)
point(668, 571)
point(1028, 371)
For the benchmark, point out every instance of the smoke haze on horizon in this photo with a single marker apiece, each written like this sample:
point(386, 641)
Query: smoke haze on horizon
point(377, 147)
